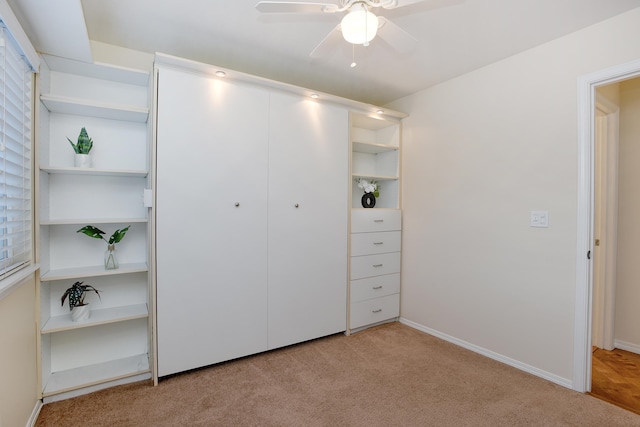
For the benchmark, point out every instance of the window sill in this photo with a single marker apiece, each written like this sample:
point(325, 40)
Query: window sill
point(13, 282)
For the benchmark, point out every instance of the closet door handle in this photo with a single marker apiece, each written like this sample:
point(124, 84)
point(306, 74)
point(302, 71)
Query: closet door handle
point(237, 204)
point(297, 205)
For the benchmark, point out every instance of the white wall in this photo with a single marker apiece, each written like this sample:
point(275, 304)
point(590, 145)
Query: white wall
point(120, 56)
point(18, 373)
point(627, 322)
point(480, 152)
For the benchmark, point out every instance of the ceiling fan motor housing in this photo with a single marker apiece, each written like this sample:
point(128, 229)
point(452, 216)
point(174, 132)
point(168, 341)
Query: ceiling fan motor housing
point(359, 26)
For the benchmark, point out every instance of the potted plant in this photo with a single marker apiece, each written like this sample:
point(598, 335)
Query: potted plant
point(110, 258)
point(82, 149)
point(76, 293)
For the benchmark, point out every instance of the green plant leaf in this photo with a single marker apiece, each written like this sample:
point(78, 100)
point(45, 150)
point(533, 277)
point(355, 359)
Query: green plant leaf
point(76, 294)
point(92, 231)
point(118, 235)
point(84, 144)
point(75, 147)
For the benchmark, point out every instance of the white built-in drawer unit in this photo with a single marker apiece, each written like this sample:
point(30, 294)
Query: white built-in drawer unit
point(374, 287)
point(369, 220)
point(374, 266)
point(375, 243)
point(373, 311)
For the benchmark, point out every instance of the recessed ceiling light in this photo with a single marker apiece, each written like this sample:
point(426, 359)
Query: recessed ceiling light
point(221, 73)
point(315, 95)
point(380, 111)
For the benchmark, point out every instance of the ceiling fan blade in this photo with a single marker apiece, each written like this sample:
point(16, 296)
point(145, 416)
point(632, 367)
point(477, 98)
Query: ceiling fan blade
point(294, 7)
point(327, 44)
point(394, 4)
point(398, 38)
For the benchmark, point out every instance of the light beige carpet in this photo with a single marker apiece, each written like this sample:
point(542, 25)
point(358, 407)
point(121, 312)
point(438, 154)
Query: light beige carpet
point(391, 375)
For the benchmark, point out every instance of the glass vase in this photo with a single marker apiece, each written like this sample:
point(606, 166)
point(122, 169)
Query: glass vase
point(110, 258)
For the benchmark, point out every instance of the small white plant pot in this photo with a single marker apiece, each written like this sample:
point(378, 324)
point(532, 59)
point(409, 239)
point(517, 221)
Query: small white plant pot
point(82, 160)
point(80, 313)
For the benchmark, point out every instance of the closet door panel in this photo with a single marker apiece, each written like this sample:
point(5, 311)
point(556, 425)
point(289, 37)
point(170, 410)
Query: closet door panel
point(308, 169)
point(211, 220)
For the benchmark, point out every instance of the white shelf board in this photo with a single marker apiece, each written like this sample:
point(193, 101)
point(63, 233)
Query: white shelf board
point(92, 271)
point(80, 221)
point(369, 148)
point(86, 376)
point(93, 171)
point(83, 107)
point(98, 70)
point(376, 177)
point(356, 208)
point(98, 317)
point(374, 122)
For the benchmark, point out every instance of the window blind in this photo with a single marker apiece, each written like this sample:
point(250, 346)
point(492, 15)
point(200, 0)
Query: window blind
point(16, 83)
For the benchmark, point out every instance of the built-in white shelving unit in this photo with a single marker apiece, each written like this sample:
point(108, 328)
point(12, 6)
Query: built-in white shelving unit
point(375, 238)
point(114, 345)
point(375, 155)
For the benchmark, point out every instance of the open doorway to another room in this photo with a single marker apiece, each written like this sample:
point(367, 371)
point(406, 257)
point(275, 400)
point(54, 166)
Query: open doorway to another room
point(615, 375)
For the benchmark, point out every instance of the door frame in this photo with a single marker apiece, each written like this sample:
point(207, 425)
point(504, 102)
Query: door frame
point(584, 238)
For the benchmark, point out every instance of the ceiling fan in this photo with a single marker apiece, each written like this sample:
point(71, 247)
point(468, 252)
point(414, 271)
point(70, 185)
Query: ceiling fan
point(359, 26)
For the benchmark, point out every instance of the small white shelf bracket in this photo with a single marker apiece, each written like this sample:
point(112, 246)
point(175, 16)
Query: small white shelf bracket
point(147, 198)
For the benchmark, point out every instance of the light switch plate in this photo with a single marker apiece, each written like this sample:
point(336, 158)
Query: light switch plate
point(539, 219)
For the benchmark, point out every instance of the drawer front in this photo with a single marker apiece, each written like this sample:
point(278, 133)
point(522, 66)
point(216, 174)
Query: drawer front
point(375, 243)
point(368, 220)
point(375, 287)
point(374, 265)
point(374, 310)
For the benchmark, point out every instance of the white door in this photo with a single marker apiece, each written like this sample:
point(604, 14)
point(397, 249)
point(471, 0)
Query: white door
point(605, 222)
point(211, 220)
point(308, 168)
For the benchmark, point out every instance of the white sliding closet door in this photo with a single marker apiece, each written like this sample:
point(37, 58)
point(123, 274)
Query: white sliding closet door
point(308, 178)
point(212, 159)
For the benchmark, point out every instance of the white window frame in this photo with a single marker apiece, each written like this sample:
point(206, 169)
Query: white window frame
point(16, 141)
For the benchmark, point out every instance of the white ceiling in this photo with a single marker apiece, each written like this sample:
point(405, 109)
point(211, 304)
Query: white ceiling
point(455, 37)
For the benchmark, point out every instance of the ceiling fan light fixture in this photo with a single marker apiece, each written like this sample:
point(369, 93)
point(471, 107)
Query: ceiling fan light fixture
point(359, 26)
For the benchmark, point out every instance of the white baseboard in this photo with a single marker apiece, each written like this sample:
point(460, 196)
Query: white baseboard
point(34, 414)
point(492, 355)
point(622, 345)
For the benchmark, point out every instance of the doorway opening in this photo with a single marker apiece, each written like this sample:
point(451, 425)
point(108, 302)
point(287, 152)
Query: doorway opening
point(584, 308)
point(615, 336)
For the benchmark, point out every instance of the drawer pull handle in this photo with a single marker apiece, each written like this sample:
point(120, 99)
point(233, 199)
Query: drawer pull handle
point(376, 311)
point(377, 265)
point(378, 220)
point(377, 287)
point(378, 243)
